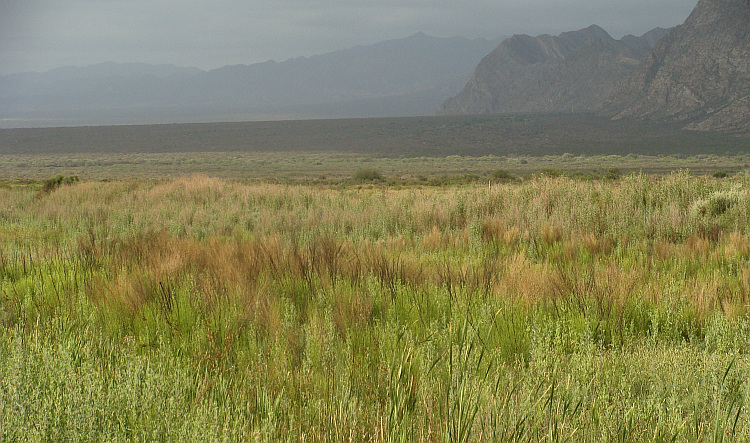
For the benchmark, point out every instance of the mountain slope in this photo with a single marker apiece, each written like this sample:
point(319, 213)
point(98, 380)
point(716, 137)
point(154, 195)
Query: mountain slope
point(698, 76)
point(408, 76)
point(574, 71)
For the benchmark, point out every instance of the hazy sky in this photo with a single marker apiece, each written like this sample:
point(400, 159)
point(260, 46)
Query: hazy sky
point(39, 35)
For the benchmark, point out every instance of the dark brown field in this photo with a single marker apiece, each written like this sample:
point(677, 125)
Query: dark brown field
point(530, 135)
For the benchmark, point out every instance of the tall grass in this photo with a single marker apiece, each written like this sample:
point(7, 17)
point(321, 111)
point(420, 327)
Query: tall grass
point(547, 309)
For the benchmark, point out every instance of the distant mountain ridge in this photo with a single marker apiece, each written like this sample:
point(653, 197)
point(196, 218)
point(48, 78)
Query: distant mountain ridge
point(403, 77)
point(575, 71)
point(697, 76)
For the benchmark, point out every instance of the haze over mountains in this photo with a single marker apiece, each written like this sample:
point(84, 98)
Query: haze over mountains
point(696, 75)
point(410, 76)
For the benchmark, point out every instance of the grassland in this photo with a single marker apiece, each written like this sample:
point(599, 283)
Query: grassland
point(551, 309)
point(321, 284)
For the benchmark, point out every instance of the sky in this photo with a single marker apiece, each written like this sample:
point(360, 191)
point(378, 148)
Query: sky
point(39, 35)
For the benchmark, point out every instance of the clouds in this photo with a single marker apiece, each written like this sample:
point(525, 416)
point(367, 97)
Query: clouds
point(42, 34)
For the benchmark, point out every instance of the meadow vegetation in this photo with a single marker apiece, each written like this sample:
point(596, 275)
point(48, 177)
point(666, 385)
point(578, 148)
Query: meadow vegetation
point(548, 308)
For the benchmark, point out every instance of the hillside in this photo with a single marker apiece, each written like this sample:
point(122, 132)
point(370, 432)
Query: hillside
point(698, 76)
point(574, 71)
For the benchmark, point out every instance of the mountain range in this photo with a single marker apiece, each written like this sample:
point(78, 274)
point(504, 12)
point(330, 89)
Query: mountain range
point(409, 76)
point(695, 76)
point(572, 72)
point(698, 76)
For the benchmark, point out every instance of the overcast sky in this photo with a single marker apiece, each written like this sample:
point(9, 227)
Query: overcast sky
point(37, 35)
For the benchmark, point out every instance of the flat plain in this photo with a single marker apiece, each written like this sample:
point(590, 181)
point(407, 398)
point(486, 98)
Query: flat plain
point(323, 284)
point(401, 147)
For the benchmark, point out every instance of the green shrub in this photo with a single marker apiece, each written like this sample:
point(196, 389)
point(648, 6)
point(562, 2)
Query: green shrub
point(583, 175)
point(613, 174)
point(52, 183)
point(58, 180)
point(551, 172)
point(716, 204)
point(368, 175)
point(503, 176)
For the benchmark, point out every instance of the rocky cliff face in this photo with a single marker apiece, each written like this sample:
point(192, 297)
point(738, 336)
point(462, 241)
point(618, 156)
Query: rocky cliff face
point(699, 75)
point(575, 71)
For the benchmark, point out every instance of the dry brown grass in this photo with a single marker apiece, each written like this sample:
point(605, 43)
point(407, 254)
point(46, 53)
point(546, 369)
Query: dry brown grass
point(597, 245)
point(525, 281)
point(352, 309)
point(736, 246)
point(551, 234)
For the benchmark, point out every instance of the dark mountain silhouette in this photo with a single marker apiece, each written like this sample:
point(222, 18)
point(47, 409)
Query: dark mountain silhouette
point(697, 76)
point(410, 76)
point(575, 71)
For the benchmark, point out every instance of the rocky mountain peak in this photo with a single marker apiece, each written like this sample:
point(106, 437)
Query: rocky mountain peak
point(699, 75)
point(572, 71)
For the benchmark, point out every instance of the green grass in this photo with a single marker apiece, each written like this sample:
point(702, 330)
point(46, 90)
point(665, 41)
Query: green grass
point(463, 279)
point(547, 309)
